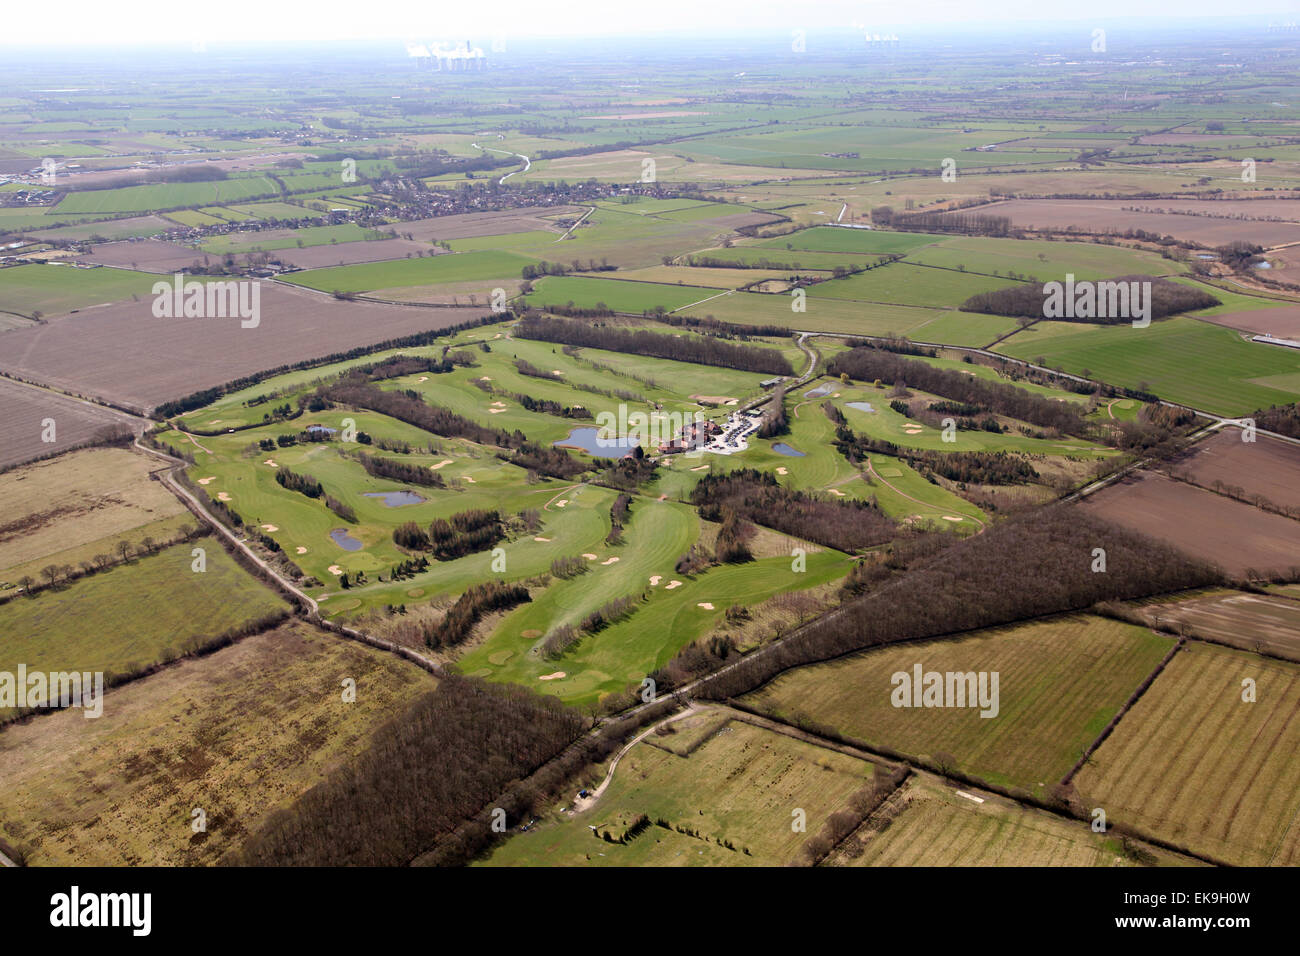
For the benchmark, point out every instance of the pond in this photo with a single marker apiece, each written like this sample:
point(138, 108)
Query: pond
point(818, 392)
point(588, 439)
point(344, 540)
point(1262, 265)
point(395, 499)
point(781, 448)
point(860, 406)
point(321, 429)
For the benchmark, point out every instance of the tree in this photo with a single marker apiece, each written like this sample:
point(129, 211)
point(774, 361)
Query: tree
point(51, 573)
point(123, 548)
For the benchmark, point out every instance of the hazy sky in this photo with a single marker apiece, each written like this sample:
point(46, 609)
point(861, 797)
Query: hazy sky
point(165, 21)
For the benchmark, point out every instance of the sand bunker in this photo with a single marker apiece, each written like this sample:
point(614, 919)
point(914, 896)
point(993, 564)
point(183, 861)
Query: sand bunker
point(782, 471)
point(714, 399)
point(706, 605)
point(470, 480)
point(556, 371)
point(271, 462)
point(335, 569)
point(442, 464)
point(556, 676)
point(541, 539)
point(609, 561)
point(837, 492)
point(672, 584)
point(301, 550)
point(423, 378)
point(495, 411)
point(485, 379)
point(562, 502)
point(655, 579)
point(700, 468)
point(204, 481)
point(498, 404)
point(589, 556)
point(222, 496)
point(269, 527)
point(952, 518)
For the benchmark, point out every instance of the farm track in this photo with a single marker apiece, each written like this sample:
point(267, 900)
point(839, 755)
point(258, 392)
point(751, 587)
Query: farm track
point(167, 476)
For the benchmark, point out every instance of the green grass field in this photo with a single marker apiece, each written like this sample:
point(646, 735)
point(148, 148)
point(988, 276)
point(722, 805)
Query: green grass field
point(1180, 359)
point(856, 241)
point(394, 273)
point(586, 292)
point(53, 289)
point(741, 785)
point(123, 620)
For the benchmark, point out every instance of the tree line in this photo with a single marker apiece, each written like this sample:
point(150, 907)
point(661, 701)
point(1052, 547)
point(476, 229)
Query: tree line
point(703, 350)
point(871, 364)
point(457, 748)
point(757, 496)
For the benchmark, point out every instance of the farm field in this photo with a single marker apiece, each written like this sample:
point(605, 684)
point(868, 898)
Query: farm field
point(1042, 260)
point(388, 274)
point(854, 241)
point(77, 500)
point(272, 239)
point(931, 824)
point(1265, 468)
point(1237, 537)
point(53, 289)
point(901, 284)
point(147, 255)
point(1060, 683)
point(330, 255)
point(238, 733)
point(28, 411)
point(1103, 215)
point(126, 619)
point(123, 353)
point(1265, 623)
point(1192, 726)
point(616, 294)
point(739, 786)
point(1181, 359)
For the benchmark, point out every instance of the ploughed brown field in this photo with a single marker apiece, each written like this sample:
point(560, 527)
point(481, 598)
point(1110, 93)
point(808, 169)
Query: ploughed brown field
point(1117, 216)
point(1282, 323)
point(1233, 535)
point(148, 255)
point(1253, 622)
point(472, 224)
point(24, 409)
point(351, 253)
point(123, 353)
point(1266, 466)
